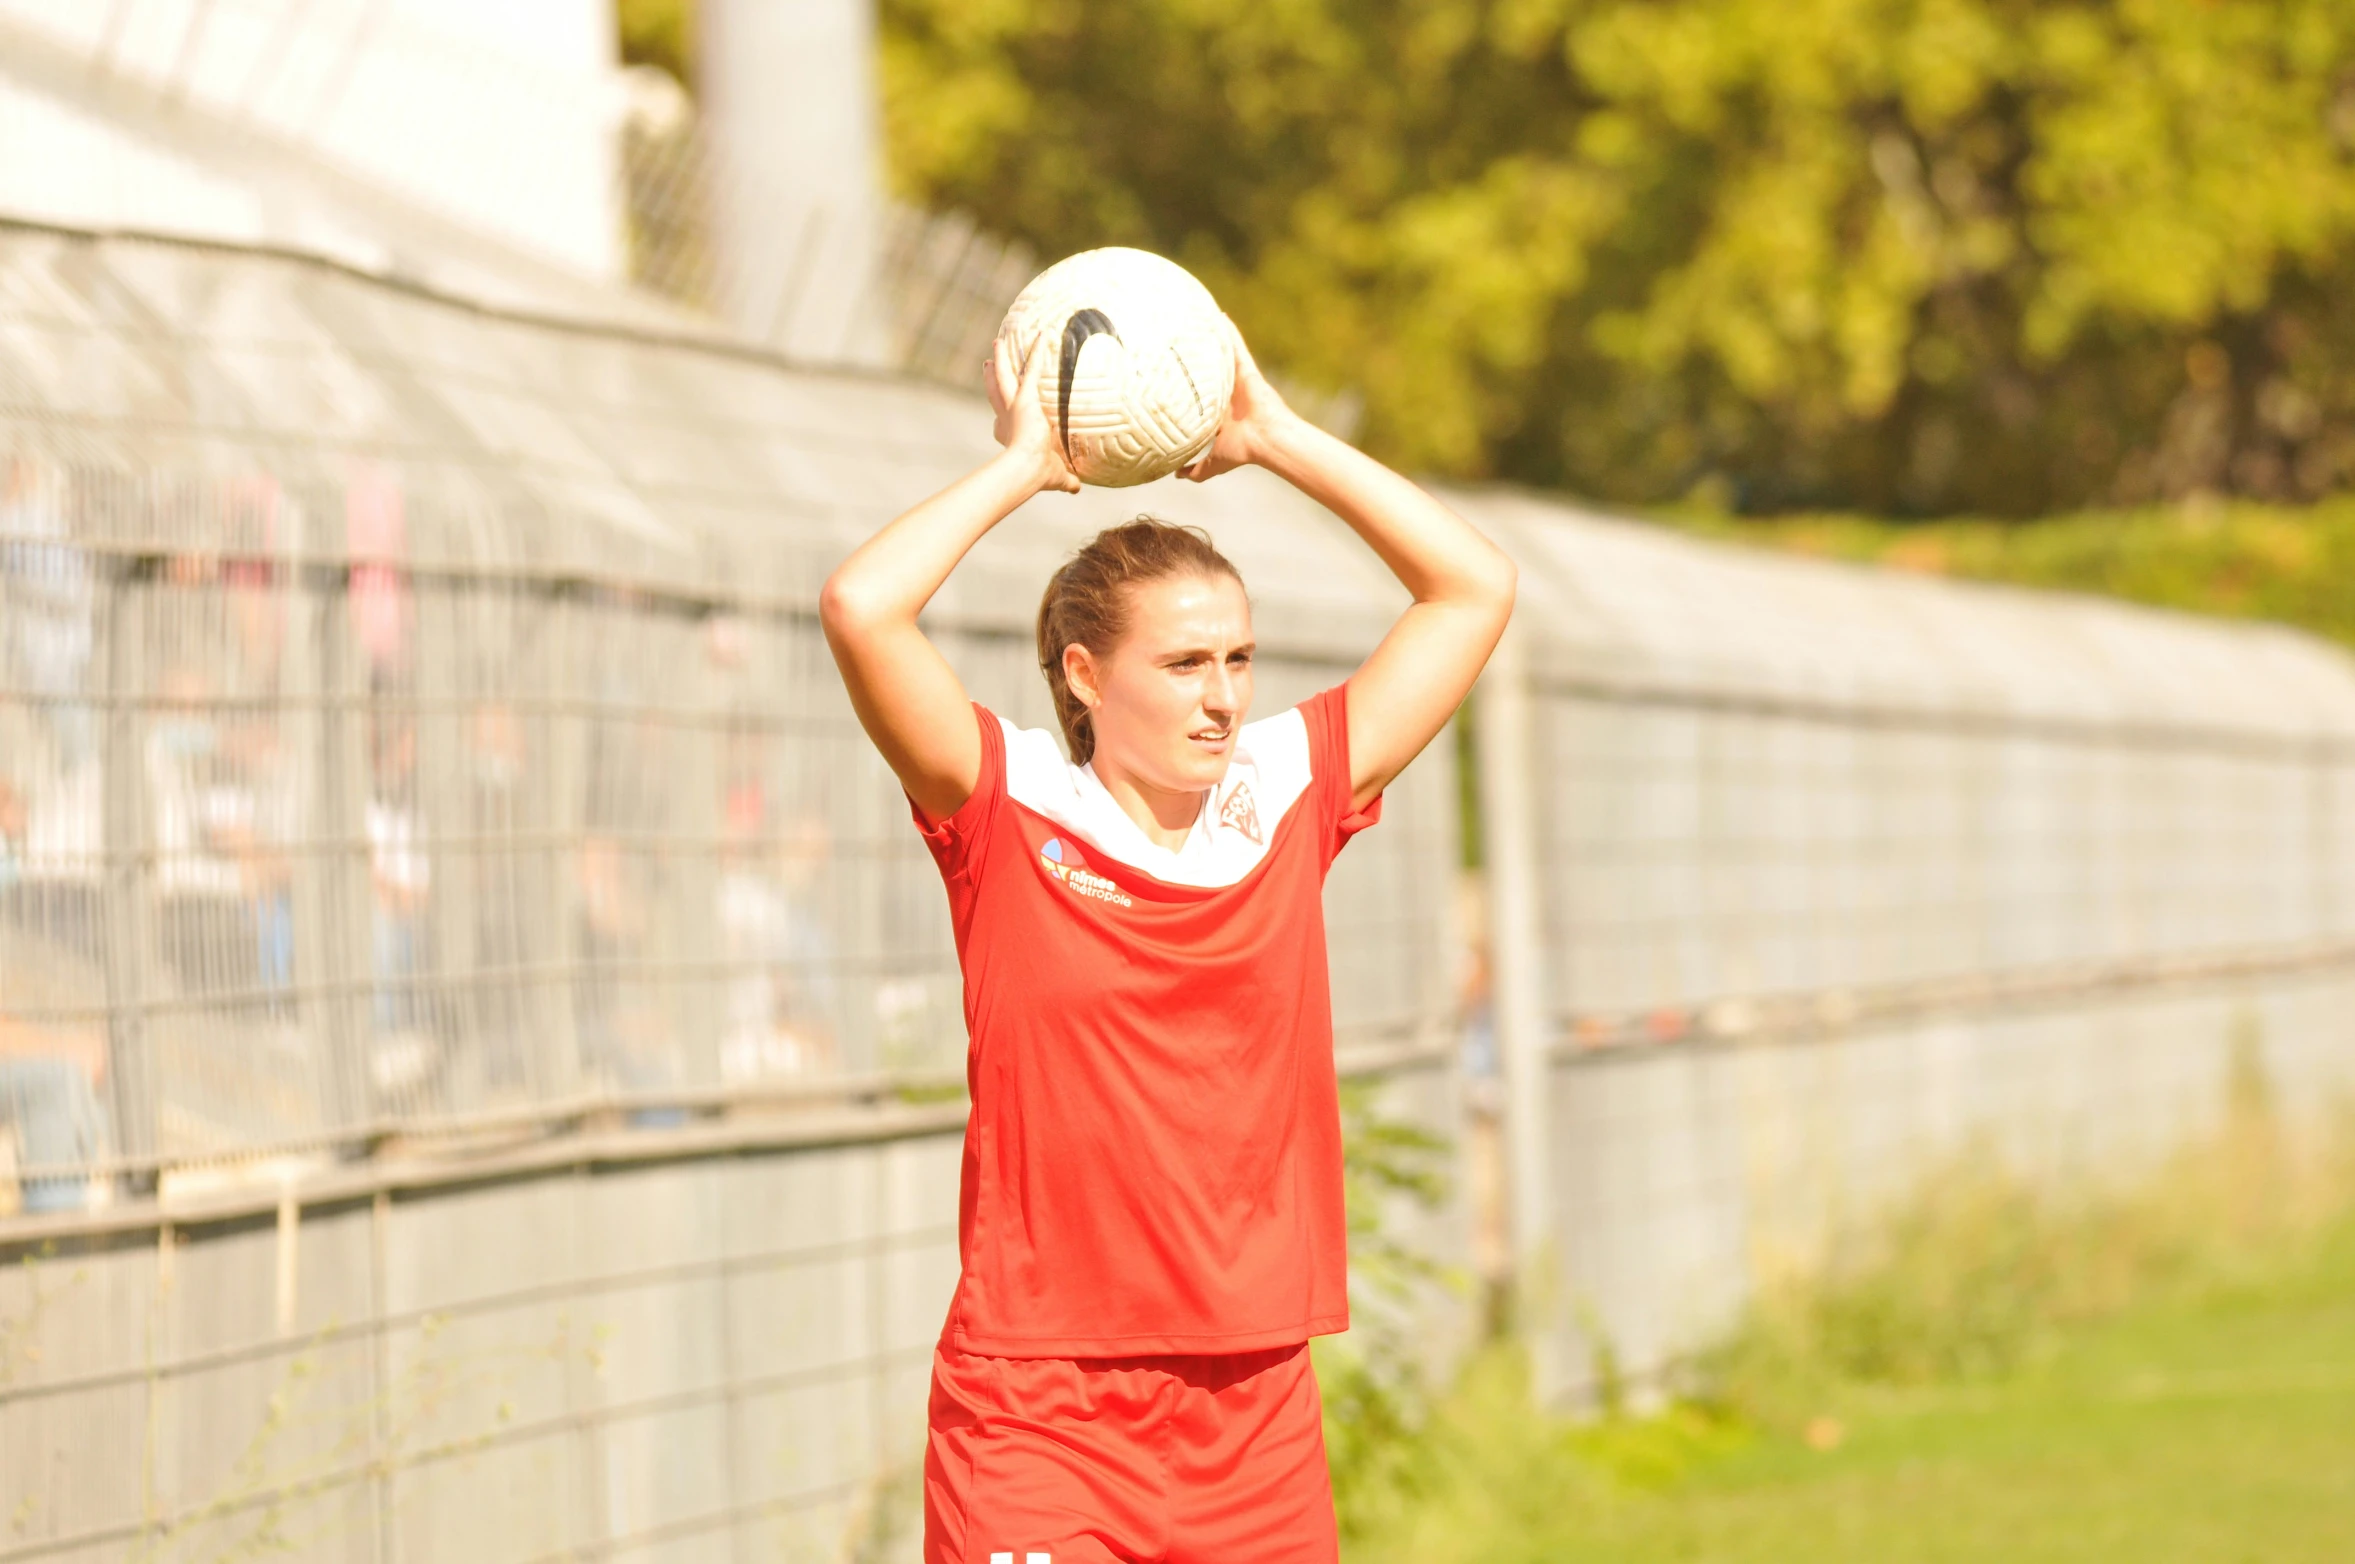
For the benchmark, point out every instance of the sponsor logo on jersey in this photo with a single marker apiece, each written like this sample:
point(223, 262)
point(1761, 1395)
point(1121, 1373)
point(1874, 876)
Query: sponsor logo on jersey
point(1052, 854)
point(1241, 813)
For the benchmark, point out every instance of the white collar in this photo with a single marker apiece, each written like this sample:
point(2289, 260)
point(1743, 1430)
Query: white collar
point(1232, 832)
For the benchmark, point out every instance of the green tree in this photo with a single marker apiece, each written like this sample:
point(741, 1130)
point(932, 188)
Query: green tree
point(658, 33)
point(1908, 256)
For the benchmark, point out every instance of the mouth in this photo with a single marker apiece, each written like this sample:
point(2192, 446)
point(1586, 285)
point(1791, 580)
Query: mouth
point(1213, 740)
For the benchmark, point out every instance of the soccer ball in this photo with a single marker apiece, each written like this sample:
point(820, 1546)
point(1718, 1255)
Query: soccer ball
point(1139, 365)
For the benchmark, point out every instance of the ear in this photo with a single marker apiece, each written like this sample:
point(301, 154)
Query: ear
point(1079, 671)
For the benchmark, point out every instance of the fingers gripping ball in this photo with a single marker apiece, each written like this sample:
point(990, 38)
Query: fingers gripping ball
point(1140, 366)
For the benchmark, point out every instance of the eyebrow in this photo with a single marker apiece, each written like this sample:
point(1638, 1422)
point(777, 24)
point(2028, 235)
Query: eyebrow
point(1247, 649)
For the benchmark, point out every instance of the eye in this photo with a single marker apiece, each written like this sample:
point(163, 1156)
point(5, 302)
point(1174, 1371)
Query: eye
point(1239, 659)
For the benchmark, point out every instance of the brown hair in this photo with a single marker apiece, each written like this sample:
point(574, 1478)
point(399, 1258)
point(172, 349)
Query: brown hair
point(1087, 602)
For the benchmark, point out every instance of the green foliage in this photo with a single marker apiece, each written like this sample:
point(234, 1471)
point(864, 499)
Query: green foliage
point(2243, 561)
point(1373, 1381)
point(1374, 1436)
point(43, 1294)
point(659, 33)
point(1903, 256)
point(1980, 1272)
point(1386, 1161)
point(888, 1516)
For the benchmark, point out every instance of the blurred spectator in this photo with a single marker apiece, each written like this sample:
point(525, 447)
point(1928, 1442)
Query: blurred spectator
point(612, 920)
point(264, 786)
point(1486, 1191)
point(495, 759)
point(49, 1112)
point(224, 786)
point(403, 1054)
point(1476, 1002)
point(622, 1037)
point(780, 959)
point(47, 606)
point(256, 582)
point(376, 535)
point(627, 805)
point(13, 836)
point(182, 755)
point(51, 1115)
point(256, 823)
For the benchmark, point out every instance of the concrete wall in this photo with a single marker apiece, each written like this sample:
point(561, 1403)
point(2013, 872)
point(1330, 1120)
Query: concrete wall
point(1684, 1175)
point(679, 1351)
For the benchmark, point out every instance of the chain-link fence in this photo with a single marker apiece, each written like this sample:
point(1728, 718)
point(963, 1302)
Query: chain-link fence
point(475, 1016)
point(412, 721)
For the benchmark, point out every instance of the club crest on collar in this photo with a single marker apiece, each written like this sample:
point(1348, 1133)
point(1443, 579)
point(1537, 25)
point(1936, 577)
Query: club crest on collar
point(1240, 813)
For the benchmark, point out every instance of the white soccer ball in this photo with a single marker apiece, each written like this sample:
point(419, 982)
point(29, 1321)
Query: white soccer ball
point(1139, 366)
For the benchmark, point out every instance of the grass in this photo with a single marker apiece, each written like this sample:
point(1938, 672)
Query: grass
point(2164, 1377)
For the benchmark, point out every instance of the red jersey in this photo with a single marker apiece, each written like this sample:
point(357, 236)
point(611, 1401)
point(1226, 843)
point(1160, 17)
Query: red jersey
point(1153, 1163)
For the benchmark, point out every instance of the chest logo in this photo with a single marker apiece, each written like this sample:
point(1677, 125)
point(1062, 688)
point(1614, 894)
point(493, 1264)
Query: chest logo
point(1241, 813)
point(1063, 863)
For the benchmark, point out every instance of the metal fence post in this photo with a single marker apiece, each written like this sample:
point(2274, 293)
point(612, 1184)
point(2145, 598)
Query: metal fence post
point(337, 881)
point(1516, 952)
point(128, 838)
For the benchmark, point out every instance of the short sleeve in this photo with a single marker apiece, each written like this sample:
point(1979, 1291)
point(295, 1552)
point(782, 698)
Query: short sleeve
point(1326, 716)
point(958, 842)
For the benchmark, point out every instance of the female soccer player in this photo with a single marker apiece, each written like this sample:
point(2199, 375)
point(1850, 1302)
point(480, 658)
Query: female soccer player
point(1151, 1224)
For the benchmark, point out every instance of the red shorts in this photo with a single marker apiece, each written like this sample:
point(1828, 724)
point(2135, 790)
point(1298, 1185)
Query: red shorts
point(1165, 1460)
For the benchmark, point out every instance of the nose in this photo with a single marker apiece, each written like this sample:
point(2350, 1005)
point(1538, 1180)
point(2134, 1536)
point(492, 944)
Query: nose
point(1218, 691)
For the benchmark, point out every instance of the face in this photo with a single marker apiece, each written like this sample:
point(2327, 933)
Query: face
point(1166, 702)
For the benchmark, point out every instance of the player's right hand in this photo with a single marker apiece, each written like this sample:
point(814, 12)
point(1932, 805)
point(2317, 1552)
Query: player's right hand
point(1023, 427)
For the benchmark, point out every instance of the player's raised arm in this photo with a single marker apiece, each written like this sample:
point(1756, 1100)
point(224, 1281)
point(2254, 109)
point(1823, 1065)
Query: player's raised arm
point(908, 698)
point(1402, 695)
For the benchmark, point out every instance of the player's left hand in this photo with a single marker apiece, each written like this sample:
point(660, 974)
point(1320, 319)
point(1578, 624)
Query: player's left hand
point(1254, 414)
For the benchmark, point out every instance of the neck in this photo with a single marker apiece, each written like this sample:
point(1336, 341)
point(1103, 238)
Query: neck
point(1166, 818)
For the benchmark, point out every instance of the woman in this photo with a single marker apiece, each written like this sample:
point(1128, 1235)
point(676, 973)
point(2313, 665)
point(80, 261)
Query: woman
point(1151, 1223)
